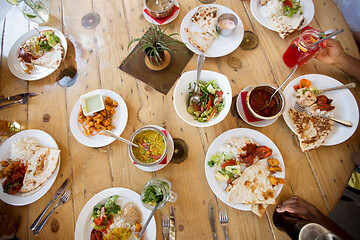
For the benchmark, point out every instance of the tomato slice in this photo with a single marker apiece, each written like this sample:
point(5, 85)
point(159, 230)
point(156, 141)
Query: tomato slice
point(196, 107)
point(210, 102)
point(219, 94)
point(228, 163)
point(288, 3)
point(212, 114)
point(296, 87)
point(98, 221)
point(263, 152)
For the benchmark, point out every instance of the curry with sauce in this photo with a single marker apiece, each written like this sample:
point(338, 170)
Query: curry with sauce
point(152, 146)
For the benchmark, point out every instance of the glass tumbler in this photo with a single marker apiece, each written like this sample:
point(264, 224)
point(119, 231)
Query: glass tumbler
point(36, 10)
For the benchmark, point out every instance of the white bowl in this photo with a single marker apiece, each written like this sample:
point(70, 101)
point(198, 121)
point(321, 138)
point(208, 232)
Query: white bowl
point(181, 96)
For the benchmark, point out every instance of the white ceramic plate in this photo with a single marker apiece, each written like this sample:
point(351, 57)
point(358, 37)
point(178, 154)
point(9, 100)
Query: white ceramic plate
point(5, 149)
point(83, 224)
point(306, 5)
point(17, 68)
point(346, 107)
point(221, 45)
point(172, 18)
point(119, 122)
point(217, 186)
point(170, 144)
point(181, 96)
point(240, 110)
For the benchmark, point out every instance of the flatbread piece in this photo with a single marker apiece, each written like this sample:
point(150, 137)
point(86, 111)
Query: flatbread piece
point(51, 59)
point(201, 40)
point(205, 17)
point(39, 168)
point(312, 131)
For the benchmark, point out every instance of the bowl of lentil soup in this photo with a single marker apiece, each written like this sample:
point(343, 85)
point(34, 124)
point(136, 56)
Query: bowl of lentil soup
point(152, 146)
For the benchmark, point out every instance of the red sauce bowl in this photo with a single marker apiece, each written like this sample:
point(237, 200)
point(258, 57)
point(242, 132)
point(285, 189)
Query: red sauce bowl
point(258, 96)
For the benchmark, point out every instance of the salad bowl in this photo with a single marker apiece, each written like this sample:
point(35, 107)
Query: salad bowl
point(185, 85)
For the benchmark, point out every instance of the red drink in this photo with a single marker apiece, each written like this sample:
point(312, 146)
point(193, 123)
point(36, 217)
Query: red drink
point(301, 50)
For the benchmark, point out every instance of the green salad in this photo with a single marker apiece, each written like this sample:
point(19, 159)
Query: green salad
point(47, 40)
point(211, 101)
point(291, 7)
point(102, 216)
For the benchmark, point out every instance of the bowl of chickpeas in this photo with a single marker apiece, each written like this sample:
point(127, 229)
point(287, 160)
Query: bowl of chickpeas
point(152, 146)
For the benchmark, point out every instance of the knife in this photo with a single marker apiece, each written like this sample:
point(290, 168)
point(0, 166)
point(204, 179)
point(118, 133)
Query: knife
point(212, 220)
point(56, 195)
point(18, 97)
point(172, 232)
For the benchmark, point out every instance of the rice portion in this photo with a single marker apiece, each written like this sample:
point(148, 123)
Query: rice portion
point(234, 145)
point(272, 8)
point(24, 148)
point(120, 222)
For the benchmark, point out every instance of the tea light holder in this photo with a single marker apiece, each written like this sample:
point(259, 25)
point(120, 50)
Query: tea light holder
point(226, 24)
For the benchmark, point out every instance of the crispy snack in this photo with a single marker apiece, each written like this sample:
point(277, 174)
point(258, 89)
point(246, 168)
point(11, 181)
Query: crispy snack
point(101, 120)
point(273, 162)
point(275, 169)
point(275, 181)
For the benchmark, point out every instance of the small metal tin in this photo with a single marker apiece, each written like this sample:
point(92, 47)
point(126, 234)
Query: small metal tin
point(226, 31)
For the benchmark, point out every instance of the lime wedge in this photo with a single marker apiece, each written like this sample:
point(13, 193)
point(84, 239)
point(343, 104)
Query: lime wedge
point(13, 2)
point(30, 16)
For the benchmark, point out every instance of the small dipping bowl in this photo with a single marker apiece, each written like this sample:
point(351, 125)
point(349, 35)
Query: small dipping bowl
point(226, 24)
point(258, 96)
point(156, 10)
point(133, 139)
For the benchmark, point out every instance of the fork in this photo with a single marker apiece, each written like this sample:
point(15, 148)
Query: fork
point(166, 226)
point(224, 221)
point(63, 199)
point(21, 101)
point(303, 110)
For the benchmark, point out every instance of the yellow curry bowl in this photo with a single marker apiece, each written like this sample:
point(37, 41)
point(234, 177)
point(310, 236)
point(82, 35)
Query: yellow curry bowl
point(152, 146)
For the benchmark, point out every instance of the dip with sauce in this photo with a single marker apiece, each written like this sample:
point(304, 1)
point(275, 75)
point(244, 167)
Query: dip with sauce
point(260, 97)
point(152, 146)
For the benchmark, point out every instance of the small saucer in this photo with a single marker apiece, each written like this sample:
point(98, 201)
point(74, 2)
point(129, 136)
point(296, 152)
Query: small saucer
point(172, 18)
point(168, 157)
point(240, 110)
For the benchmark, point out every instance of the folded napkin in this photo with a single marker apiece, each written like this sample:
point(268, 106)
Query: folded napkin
point(248, 115)
point(162, 20)
point(164, 161)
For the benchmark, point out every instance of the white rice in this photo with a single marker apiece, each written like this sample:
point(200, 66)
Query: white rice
point(120, 222)
point(234, 145)
point(24, 148)
point(272, 9)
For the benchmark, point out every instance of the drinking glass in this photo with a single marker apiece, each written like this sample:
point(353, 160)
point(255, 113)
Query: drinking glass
point(165, 186)
point(36, 10)
point(302, 49)
point(8, 128)
point(317, 232)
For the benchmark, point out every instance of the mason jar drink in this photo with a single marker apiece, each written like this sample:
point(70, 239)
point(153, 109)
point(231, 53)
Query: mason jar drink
point(302, 49)
point(157, 190)
point(36, 10)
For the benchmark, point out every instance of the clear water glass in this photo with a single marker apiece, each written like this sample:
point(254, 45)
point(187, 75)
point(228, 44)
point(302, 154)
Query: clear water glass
point(36, 10)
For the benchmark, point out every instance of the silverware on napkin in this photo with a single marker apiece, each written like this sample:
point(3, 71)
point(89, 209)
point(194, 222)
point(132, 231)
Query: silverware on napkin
point(53, 199)
point(212, 220)
point(172, 233)
point(18, 97)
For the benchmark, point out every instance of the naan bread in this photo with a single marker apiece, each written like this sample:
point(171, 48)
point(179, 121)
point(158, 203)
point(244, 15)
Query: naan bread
point(201, 40)
point(51, 59)
point(258, 209)
point(312, 131)
point(254, 188)
point(205, 17)
point(39, 168)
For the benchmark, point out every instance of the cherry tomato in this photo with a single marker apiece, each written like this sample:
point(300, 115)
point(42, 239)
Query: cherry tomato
point(288, 3)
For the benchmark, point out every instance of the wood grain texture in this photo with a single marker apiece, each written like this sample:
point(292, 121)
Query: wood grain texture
point(319, 176)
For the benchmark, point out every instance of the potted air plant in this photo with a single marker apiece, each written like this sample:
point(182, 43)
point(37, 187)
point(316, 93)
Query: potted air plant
point(155, 44)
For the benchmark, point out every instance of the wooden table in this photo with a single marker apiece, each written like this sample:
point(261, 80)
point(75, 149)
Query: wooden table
point(319, 176)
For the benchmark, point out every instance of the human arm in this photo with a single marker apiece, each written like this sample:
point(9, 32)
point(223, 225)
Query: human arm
point(306, 210)
point(8, 227)
point(335, 55)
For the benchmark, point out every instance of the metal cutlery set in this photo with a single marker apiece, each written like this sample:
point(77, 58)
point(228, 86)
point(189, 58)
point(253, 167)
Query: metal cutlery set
point(168, 225)
point(223, 218)
point(22, 98)
point(64, 197)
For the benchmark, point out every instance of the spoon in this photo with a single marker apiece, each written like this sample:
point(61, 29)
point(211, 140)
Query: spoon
point(111, 134)
point(148, 220)
point(195, 98)
point(349, 85)
point(268, 103)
